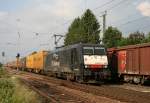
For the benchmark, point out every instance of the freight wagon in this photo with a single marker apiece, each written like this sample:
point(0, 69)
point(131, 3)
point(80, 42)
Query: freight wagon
point(132, 63)
point(79, 62)
point(35, 61)
point(30, 62)
point(22, 63)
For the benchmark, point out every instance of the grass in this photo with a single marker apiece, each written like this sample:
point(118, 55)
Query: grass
point(13, 91)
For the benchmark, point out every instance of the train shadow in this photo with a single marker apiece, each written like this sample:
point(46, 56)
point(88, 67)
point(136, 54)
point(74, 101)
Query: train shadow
point(146, 83)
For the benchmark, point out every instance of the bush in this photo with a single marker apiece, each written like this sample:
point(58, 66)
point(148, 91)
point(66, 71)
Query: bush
point(12, 91)
point(3, 73)
point(6, 90)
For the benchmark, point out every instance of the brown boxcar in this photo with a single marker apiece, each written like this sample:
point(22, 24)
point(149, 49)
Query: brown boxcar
point(133, 62)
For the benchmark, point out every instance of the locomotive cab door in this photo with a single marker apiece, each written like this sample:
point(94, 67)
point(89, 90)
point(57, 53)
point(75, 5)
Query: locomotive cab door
point(74, 59)
point(75, 64)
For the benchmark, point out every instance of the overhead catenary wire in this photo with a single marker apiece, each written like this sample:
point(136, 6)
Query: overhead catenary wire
point(103, 5)
point(133, 14)
point(131, 21)
point(138, 29)
point(110, 8)
point(114, 6)
point(117, 21)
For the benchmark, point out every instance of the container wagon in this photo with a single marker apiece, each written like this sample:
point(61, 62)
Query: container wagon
point(80, 62)
point(131, 62)
point(35, 61)
point(30, 65)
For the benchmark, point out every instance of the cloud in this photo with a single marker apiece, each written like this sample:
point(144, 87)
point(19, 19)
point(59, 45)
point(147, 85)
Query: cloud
point(144, 8)
point(42, 16)
point(3, 15)
point(64, 8)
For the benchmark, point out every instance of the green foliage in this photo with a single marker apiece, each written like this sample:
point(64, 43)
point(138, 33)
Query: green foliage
point(12, 91)
point(1, 64)
point(6, 87)
point(74, 32)
point(23, 95)
point(3, 73)
point(84, 29)
point(6, 90)
point(91, 27)
point(136, 38)
point(133, 38)
point(123, 41)
point(112, 37)
point(147, 38)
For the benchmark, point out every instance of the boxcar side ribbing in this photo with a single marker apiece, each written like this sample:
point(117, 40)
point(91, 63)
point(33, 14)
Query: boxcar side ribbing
point(133, 62)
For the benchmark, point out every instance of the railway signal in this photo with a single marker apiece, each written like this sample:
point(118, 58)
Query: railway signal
point(17, 63)
point(3, 54)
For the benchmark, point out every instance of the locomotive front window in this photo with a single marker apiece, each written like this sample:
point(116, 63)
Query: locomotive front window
point(99, 51)
point(88, 50)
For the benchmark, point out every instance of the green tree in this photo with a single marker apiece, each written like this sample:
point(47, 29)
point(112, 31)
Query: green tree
point(112, 37)
point(136, 38)
point(85, 30)
point(74, 32)
point(124, 41)
point(1, 64)
point(91, 27)
point(147, 38)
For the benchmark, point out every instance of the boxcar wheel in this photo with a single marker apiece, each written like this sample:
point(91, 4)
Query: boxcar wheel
point(142, 81)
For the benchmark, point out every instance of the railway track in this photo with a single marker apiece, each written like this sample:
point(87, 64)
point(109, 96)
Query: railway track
point(80, 92)
point(61, 92)
point(50, 93)
point(46, 98)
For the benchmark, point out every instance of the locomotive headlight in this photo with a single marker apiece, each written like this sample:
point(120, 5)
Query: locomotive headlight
point(105, 66)
point(86, 66)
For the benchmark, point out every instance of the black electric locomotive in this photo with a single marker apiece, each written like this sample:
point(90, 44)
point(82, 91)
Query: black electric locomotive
point(85, 63)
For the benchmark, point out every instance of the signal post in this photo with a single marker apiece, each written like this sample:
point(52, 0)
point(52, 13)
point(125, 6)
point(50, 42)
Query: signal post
point(17, 61)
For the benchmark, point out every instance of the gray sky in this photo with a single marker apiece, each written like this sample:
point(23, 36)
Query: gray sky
point(47, 17)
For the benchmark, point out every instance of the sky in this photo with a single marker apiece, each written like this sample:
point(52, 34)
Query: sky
point(21, 20)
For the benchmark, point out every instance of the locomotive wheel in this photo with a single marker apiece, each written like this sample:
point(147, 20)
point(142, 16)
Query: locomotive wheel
point(78, 79)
